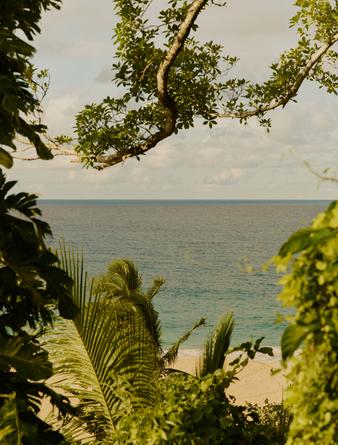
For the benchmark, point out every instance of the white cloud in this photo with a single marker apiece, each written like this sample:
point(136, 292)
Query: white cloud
point(226, 177)
point(105, 75)
point(59, 112)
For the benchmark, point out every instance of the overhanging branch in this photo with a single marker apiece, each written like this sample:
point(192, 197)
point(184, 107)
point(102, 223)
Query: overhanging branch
point(163, 94)
point(315, 58)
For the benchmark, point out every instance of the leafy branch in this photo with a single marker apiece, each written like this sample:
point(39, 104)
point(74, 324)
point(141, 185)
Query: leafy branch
point(168, 87)
point(164, 97)
point(292, 90)
point(185, 82)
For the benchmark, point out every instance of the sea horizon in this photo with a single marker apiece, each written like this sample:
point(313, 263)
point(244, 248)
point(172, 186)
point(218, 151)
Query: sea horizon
point(185, 201)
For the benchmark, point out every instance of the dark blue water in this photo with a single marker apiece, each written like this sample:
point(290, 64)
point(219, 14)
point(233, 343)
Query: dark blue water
point(200, 247)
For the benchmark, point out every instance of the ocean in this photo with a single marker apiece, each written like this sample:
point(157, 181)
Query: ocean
point(200, 247)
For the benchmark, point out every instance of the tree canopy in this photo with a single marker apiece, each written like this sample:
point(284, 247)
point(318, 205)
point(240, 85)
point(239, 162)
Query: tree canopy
point(32, 284)
point(17, 99)
point(170, 79)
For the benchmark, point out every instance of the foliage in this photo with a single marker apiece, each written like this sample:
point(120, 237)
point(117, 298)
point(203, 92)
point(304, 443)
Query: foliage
point(31, 282)
point(31, 285)
point(105, 357)
point(31, 431)
point(310, 258)
point(123, 282)
point(197, 410)
point(169, 79)
point(217, 346)
point(16, 97)
point(276, 419)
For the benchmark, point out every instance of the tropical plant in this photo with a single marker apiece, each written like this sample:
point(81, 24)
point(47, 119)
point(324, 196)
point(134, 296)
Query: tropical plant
point(105, 357)
point(108, 360)
point(273, 419)
point(195, 409)
point(216, 346)
point(17, 99)
point(122, 281)
point(309, 260)
point(32, 286)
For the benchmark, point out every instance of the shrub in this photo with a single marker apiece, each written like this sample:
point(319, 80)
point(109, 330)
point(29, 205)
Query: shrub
point(310, 257)
point(196, 410)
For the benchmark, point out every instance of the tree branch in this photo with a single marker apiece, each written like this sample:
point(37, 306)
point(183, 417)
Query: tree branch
point(163, 94)
point(321, 176)
point(56, 149)
point(316, 56)
point(56, 152)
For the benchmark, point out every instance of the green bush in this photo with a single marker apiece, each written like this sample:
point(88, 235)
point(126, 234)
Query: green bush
point(310, 257)
point(32, 285)
point(196, 410)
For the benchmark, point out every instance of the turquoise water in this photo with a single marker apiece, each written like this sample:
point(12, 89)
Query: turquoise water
point(199, 247)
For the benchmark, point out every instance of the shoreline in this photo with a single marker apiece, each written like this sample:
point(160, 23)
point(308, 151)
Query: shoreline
point(255, 383)
point(195, 352)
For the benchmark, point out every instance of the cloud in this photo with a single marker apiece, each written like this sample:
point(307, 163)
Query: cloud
point(226, 177)
point(104, 76)
point(78, 24)
point(59, 112)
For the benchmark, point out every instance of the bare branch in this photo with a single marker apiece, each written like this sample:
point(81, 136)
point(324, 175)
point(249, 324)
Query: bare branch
point(164, 97)
point(315, 58)
point(56, 149)
point(55, 153)
point(321, 176)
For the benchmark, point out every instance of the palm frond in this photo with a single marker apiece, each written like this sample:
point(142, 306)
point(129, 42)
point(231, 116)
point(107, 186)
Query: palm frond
point(124, 277)
point(216, 346)
point(170, 356)
point(155, 287)
point(105, 357)
point(122, 280)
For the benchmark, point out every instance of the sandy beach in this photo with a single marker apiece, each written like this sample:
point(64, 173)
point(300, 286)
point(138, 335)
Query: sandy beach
point(255, 384)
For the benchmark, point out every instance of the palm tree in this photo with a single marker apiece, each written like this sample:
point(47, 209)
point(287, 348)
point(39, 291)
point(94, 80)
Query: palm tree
point(216, 346)
point(110, 356)
point(105, 357)
point(123, 282)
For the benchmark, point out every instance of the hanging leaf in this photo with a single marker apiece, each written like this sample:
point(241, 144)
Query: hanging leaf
point(28, 359)
point(292, 338)
point(5, 158)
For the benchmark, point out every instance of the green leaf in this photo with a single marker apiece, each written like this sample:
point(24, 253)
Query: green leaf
point(28, 358)
point(292, 338)
point(5, 158)
point(217, 346)
point(303, 239)
point(10, 103)
point(266, 350)
point(170, 356)
point(106, 352)
point(297, 242)
point(43, 151)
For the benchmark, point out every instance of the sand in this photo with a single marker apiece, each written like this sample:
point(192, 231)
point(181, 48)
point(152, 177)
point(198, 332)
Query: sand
point(255, 384)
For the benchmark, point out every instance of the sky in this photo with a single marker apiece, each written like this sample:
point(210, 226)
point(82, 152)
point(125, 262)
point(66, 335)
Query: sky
point(230, 161)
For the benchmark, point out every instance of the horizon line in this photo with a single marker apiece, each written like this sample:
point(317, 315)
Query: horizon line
point(185, 199)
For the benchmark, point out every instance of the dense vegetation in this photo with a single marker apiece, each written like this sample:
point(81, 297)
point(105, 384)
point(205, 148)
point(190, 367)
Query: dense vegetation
point(106, 334)
point(310, 257)
point(115, 340)
point(32, 285)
